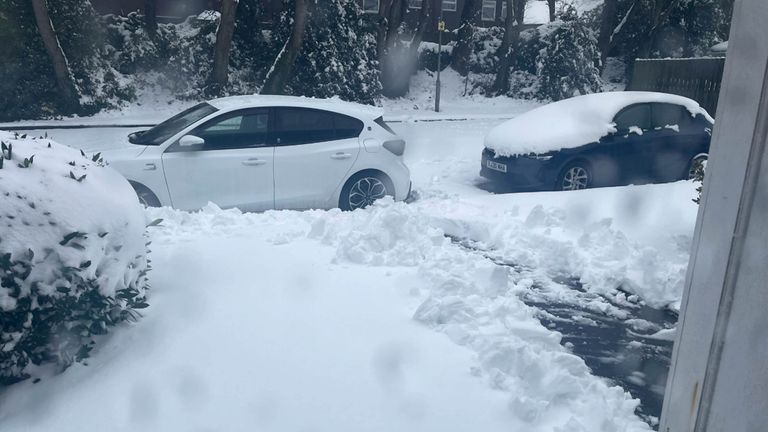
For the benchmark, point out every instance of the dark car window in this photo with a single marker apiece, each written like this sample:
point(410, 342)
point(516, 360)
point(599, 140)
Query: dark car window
point(240, 129)
point(633, 116)
point(664, 114)
point(346, 126)
point(302, 126)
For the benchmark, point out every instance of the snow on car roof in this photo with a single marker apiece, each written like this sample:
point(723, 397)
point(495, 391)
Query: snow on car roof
point(572, 122)
point(333, 104)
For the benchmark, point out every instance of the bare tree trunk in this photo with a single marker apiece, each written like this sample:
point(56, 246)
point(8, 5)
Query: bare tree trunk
point(64, 79)
point(461, 52)
point(280, 72)
point(551, 4)
point(515, 17)
point(223, 43)
point(607, 26)
point(150, 17)
point(425, 20)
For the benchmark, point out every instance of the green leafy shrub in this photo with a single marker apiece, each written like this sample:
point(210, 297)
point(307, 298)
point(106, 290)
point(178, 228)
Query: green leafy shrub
point(66, 276)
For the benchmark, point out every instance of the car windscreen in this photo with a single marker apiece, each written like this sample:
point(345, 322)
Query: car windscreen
point(158, 134)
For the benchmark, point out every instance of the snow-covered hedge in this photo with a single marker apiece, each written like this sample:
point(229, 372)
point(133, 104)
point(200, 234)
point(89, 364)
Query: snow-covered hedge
point(72, 254)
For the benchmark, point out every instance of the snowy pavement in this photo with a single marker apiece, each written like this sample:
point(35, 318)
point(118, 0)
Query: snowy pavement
point(324, 320)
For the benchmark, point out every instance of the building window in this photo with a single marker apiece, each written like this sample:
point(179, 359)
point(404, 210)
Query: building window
point(489, 10)
point(504, 10)
point(371, 6)
point(449, 5)
point(414, 4)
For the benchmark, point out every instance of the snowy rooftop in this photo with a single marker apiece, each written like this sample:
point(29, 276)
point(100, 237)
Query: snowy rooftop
point(572, 122)
point(332, 104)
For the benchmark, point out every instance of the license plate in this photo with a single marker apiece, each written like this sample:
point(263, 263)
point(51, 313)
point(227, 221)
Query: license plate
point(496, 166)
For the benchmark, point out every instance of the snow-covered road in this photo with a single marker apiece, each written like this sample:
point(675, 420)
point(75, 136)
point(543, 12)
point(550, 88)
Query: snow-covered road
point(321, 320)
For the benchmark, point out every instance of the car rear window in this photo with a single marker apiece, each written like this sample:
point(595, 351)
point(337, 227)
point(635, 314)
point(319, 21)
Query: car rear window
point(346, 126)
point(664, 114)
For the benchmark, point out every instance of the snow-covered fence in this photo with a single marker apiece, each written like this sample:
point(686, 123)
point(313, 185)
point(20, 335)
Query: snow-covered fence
point(72, 254)
point(695, 78)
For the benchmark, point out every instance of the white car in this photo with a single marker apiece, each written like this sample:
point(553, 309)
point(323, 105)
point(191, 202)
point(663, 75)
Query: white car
point(266, 152)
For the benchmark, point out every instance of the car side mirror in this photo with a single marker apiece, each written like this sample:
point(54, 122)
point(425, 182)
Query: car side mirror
point(190, 141)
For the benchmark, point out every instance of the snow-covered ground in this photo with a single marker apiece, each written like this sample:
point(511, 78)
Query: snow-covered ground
point(377, 319)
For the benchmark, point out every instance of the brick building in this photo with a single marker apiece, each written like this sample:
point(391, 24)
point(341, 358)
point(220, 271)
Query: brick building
point(492, 13)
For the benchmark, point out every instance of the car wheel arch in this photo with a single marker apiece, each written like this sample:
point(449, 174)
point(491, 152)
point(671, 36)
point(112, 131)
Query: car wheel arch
point(145, 194)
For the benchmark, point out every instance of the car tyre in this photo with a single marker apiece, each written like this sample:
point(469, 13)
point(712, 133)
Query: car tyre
point(146, 197)
point(575, 176)
point(363, 189)
point(697, 166)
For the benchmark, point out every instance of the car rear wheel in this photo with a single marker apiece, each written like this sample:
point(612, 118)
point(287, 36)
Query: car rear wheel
point(697, 166)
point(364, 189)
point(575, 176)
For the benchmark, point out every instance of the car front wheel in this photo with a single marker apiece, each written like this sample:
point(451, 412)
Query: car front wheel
point(363, 190)
point(575, 176)
point(697, 167)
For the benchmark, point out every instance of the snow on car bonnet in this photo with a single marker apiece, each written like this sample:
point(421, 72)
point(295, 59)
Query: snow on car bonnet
point(572, 122)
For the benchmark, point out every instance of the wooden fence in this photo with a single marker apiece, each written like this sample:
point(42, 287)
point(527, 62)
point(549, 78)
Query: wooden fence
point(695, 78)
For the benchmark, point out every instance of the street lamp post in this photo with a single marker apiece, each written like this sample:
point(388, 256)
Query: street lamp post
point(440, 30)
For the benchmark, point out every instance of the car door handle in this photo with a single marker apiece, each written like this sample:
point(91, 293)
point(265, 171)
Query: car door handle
point(150, 167)
point(341, 155)
point(254, 161)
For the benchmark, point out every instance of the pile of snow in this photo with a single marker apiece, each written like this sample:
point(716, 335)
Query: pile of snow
point(77, 226)
point(572, 122)
point(287, 321)
point(632, 239)
point(722, 47)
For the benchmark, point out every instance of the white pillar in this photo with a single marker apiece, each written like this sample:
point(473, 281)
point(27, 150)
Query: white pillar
point(718, 380)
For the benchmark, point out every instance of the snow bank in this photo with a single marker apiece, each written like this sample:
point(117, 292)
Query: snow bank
point(572, 122)
point(634, 239)
point(282, 320)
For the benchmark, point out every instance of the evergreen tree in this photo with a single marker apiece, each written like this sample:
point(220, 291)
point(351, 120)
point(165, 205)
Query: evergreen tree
point(338, 56)
point(567, 63)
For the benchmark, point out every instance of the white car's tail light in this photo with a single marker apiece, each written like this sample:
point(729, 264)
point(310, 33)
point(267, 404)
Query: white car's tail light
point(397, 147)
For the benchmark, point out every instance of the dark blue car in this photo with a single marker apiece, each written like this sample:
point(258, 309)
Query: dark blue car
point(646, 138)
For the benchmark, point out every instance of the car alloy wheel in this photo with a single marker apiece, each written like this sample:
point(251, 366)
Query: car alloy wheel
point(698, 167)
point(365, 191)
point(576, 177)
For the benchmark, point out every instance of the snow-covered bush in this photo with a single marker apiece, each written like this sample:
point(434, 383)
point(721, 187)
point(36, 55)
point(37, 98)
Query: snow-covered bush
point(338, 56)
point(428, 55)
point(485, 43)
point(72, 254)
point(557, 60)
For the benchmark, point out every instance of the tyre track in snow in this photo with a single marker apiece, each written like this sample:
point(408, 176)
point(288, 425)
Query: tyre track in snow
point(616, 339)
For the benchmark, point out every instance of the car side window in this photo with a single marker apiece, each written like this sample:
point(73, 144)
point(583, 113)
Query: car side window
point(294, 126)
point(346, 126)
point(665, 115)
point(240, 129)
point(634, 116)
